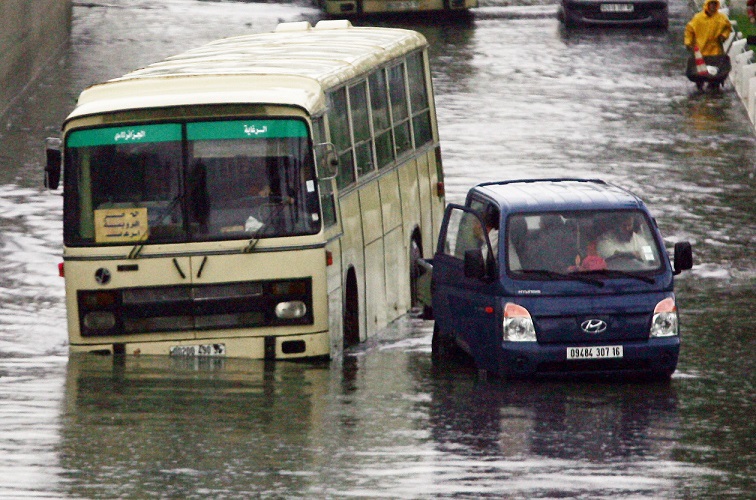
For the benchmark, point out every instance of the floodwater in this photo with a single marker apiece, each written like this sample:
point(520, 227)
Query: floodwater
point(517, 96)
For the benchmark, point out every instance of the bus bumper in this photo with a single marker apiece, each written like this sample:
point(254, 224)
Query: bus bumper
point(267, 347)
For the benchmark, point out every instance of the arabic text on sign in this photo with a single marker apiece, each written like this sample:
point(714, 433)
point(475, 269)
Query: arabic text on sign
point(120, 225)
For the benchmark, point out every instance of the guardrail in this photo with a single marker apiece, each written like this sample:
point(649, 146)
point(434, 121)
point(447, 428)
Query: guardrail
point(743, 73)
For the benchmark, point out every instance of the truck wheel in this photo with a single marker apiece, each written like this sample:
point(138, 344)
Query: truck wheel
point(443, 347)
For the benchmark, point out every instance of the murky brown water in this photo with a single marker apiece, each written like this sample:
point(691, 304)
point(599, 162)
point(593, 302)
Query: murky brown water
point(517, 97)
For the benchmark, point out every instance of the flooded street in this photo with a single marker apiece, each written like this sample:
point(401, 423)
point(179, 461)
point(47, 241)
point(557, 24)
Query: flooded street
point(517, 96)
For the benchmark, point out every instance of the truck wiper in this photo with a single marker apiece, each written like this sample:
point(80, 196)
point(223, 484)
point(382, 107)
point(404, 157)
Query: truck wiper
point(563, 276)
point(624, 274)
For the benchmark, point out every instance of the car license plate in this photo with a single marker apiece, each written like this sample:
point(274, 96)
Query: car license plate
point(616, 7)
point(198, 350)
point(602, 352)
point(401, 6)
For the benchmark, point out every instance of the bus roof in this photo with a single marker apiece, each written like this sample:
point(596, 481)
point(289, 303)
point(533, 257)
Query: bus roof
point(291, 66)
point(536, 195)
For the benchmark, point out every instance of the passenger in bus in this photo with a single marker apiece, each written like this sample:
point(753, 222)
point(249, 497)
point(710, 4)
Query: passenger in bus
point(622, 240)
point(200, 199)
point(256, 176)
point(259, 186)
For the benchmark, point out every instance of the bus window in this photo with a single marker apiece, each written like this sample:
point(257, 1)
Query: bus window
point(318, 130)
point(242, 178)
point(399, 111)
point(250, 177)
point(327, 197)
point(363, 149)
point(127, 180)
point(338, 121)
point(384, 148)
point(421, 121)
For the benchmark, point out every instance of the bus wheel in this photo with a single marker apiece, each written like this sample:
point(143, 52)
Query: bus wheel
point(351, 313)
point(415, 254)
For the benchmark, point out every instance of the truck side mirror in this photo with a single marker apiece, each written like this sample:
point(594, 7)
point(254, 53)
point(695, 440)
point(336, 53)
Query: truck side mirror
point(327, 161)
point(475, 264)
point(683, 258)
point(53, 164)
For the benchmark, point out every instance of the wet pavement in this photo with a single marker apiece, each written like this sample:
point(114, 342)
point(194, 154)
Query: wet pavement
point(517, 96)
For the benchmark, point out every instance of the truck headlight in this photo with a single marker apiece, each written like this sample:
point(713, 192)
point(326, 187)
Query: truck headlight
point(664, 322)
point(518, 325)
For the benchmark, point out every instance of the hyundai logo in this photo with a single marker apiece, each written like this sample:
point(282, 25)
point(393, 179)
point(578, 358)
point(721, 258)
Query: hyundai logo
point(593, 326)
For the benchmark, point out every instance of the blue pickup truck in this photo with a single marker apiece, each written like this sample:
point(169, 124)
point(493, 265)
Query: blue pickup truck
point(547, 276)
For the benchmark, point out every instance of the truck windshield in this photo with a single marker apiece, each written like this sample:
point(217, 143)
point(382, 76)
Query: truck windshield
point(196, 181)
point(581, 242)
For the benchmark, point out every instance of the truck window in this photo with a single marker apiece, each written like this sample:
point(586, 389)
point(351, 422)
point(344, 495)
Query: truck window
point(464, 232)
point(582, 242)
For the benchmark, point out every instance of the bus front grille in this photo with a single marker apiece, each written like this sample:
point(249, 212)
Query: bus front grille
point(196, 307)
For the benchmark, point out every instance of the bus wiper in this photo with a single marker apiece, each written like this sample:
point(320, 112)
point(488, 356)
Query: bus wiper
point(165, 212)
point(563, 276)
point(279, 206)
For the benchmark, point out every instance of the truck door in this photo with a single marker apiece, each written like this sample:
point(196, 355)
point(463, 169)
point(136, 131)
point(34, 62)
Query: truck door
point(465, 302)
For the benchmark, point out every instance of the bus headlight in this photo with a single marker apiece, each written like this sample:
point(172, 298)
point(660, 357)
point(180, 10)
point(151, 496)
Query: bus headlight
point(99, 320)
point(291, 310)
point(518, 325)
point(664, 322)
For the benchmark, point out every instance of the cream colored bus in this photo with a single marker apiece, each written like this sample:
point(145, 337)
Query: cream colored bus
point(263, 196)
point(367, 7)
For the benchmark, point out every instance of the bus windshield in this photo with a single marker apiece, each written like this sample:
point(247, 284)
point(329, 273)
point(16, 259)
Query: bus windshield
point(195, 181)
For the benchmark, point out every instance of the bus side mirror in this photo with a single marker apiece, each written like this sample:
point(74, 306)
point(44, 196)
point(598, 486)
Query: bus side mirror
point(475, 265)
point(683, 258)
point(53, 165)
point(327, 161)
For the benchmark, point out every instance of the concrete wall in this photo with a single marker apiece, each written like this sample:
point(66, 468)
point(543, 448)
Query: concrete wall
point(32, 33)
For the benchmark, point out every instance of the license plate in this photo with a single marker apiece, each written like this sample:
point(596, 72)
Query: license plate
point(602, 352)
point(406, 5)
point(616, 7)
point(199, 350)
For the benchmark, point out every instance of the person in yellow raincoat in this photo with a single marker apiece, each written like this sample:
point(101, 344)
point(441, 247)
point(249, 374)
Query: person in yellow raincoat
point(708, 30)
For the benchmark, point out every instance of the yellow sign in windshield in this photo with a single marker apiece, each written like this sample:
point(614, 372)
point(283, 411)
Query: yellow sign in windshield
point(113, 225)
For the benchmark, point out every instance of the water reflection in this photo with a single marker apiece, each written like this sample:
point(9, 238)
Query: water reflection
point(143, 425)
point(717, 379)
point(585, 421)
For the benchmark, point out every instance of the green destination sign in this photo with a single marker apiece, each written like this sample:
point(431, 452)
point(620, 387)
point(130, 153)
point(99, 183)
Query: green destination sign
point(245, 129)
point(124, 135)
